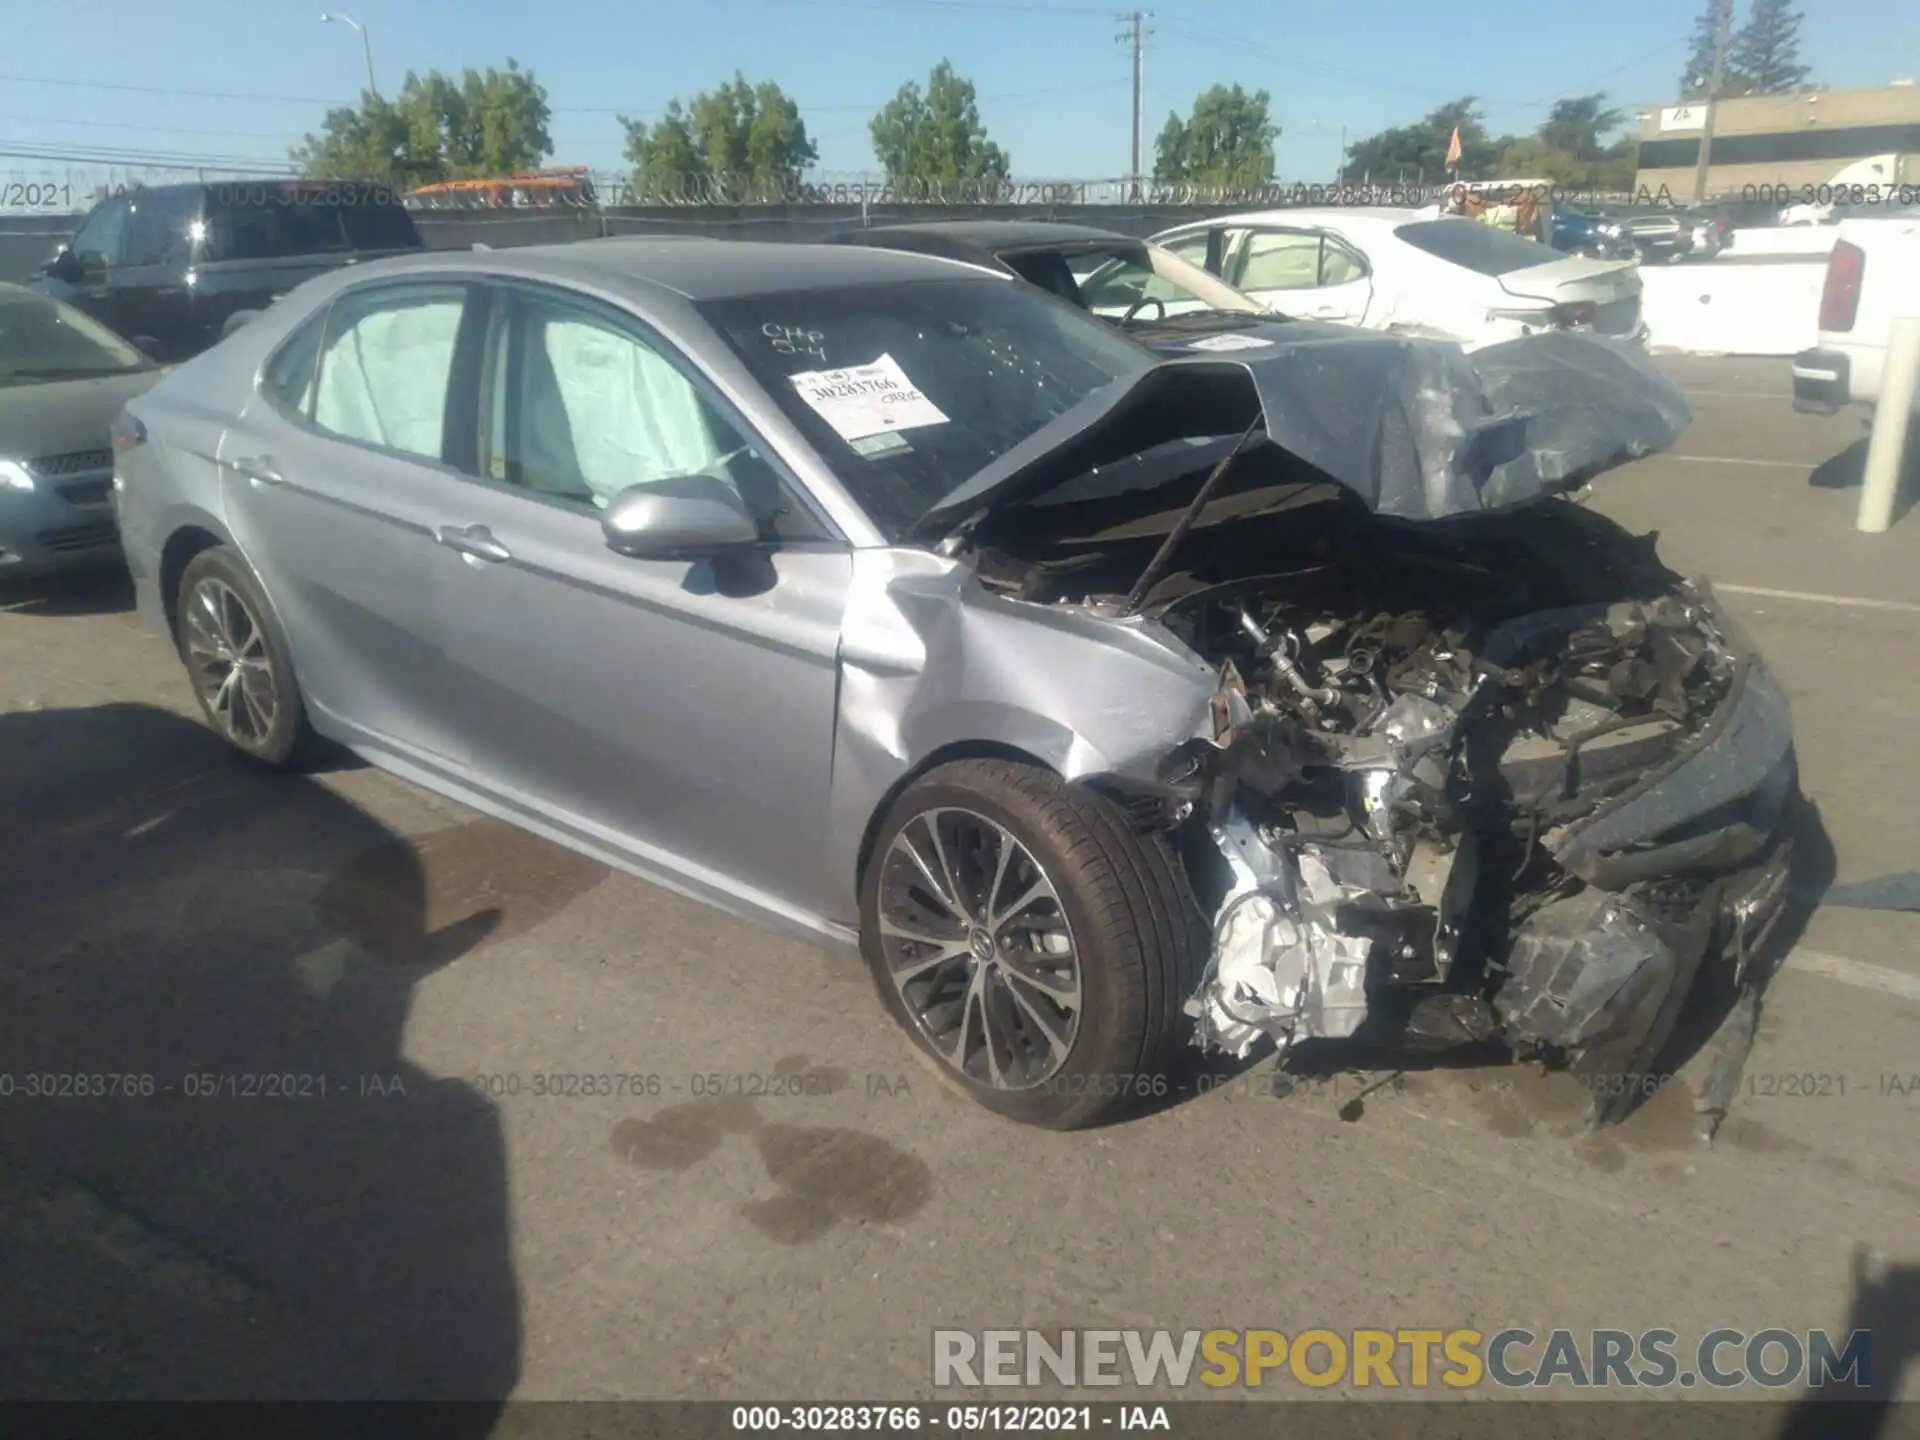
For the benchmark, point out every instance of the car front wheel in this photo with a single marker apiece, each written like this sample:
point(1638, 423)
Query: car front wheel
point(1034, 944)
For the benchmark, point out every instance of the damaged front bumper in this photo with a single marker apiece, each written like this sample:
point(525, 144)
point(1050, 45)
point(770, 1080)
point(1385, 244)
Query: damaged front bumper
point(1507, 881)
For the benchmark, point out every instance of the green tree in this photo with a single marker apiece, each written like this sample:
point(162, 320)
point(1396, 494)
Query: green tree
point(1766, 51)
point(740, 140)
point(1577, 126)
point(937, 134)
point(1699, 72)
point(1411, 152)
point(1226, 141)
point(490, 122)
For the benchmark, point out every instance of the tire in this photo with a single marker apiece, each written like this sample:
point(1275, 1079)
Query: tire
point(221, 611)
point(1138, 944)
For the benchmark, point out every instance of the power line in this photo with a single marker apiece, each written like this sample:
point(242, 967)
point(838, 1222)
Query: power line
point(143, 127)
point(141, 159)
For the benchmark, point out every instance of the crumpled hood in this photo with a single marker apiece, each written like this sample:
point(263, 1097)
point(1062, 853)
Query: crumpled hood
point(1417, 428)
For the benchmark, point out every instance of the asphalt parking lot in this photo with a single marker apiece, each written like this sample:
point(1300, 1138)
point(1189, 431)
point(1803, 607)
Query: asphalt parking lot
point(779, 1201)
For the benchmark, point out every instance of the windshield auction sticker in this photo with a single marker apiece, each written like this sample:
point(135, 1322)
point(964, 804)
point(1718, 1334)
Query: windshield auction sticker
point(865, 400)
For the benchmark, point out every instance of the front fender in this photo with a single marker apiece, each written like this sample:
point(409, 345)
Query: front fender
point(931, 661)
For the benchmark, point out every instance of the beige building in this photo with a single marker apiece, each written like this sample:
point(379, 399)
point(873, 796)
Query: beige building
point(1764, 144)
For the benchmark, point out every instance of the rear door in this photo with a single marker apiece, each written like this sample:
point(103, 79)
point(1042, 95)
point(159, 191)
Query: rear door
point(335, 483)
point(1305, 273)
point(680, 711)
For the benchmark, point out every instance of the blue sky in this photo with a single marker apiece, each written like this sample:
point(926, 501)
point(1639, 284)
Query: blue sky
point(1053, 80)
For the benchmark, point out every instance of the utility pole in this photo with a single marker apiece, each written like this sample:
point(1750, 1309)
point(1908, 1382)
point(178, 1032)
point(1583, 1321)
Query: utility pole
point(1135, 35)
point(1722, 25)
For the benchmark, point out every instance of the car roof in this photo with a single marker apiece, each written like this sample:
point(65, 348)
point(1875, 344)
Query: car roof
point(698, 268)
point(1002, 234)
point(1371, 216)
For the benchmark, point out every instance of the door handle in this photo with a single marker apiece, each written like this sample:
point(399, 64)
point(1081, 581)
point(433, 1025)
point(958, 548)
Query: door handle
point(474, 540)
point(259, 469)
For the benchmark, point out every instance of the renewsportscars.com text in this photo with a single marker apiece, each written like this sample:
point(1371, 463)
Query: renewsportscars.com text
point(1457, 1359)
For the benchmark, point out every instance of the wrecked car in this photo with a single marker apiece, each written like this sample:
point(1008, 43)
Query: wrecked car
point(1165, 302)
point(1105, 703)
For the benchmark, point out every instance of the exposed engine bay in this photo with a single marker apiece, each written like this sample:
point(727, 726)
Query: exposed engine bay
point(1502, 779)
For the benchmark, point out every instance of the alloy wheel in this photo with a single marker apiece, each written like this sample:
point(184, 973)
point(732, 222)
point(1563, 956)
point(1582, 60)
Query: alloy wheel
point(227, 658)
point(979, 947)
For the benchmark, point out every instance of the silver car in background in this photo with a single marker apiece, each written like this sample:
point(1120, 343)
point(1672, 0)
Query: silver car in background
point(63, 379)
point(893, 602)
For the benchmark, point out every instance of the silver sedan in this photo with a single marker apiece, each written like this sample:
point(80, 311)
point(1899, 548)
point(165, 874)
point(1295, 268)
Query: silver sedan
point(1103, 702)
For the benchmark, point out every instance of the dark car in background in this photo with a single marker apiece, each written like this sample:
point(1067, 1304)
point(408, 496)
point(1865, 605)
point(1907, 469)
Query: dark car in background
point(1695, 233)
point(1579, 232)
point(176, 267)
point(63, 379)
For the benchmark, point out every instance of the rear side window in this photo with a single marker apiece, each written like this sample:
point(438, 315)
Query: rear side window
point(1476, 247)
point(288, 379)
point(1280, 260)
point(272, 221)
point(386, 365)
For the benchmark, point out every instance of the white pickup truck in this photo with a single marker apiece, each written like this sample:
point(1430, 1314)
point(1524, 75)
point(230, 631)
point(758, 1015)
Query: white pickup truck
point(1873, 275)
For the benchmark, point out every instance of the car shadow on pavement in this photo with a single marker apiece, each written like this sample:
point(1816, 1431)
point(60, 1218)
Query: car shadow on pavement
point(220, 1178)
point(1846, 471)
point(105, 590)
point(1886, 1305)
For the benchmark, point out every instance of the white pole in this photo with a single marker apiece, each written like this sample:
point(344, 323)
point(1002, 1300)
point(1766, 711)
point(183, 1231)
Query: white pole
point(1880, 487)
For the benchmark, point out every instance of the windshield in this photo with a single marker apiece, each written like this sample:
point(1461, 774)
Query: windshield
point(44, 339)
point(1476, 247)
point(907, 389)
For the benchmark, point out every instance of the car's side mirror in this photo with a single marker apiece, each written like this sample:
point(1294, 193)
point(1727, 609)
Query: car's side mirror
point(677, 518)
point(63, 264)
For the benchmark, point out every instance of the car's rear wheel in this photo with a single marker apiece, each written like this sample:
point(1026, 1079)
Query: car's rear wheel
point(237, 660)
point(1035, 946)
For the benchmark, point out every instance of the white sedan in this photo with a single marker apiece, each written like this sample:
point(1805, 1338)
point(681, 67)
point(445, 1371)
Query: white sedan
point(1386, 269)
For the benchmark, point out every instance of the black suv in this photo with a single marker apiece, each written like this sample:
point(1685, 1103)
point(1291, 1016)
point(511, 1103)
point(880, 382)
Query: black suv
point(176, 267)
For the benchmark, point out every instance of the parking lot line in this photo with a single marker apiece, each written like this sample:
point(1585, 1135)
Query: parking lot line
point(1857, 973)
point(1815, 597)
point(1735, 460)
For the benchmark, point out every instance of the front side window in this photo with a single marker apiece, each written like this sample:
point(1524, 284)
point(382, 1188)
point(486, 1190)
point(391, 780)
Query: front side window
point(159, 227)
point(1190, 248)
point(581, 407)
point(907, 389)
point(385, 367)
point(97, 246)
point(1113, 283)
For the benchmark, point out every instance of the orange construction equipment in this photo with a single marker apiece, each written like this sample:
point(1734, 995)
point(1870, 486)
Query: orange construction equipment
point(571, 185)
